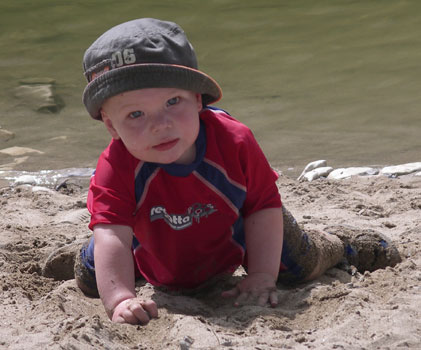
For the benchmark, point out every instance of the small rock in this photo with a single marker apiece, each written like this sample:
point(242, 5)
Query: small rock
point(343, 173)
point(402, 169)
point(59, 138)
point(311, 166)
point(389, 224)
point(12, 165)
point(317, 173)
point(226, 343)
point(6, 135)
point(186, 343)
point(25, 180)
point(39, 95)
point(19, 151)
point(42, 189)
point(300, 339)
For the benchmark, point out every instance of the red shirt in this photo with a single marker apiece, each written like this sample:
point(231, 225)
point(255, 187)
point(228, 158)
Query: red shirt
point(187, 219)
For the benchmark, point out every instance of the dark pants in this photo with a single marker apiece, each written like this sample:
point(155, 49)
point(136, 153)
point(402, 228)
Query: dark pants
point(300, 254)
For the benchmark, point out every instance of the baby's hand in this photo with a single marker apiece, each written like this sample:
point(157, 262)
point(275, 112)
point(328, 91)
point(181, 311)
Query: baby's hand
point(260, 287)
point(135, 311)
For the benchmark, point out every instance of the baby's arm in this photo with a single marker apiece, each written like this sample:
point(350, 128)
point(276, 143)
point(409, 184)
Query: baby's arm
point(264, 237)
point(114, 270)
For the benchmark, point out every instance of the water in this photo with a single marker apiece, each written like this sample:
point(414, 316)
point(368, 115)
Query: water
point(333, 79)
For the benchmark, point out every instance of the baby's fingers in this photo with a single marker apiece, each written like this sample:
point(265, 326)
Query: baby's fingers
point(254, 296)
point(235, 292)
point(273, 298)
point(135, 311)
point(126, 316)
point(268, 296)
point(150, 307)
point(143, 310)
point(230, 293)
point(243, 299)
point(140, 314)
point(263, 299)
point(119, 319)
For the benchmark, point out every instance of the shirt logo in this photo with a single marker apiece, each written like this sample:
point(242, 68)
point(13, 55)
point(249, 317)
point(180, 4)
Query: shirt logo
point(182, 221)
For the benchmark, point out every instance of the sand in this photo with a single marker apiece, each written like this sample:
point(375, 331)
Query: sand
point(376, 310)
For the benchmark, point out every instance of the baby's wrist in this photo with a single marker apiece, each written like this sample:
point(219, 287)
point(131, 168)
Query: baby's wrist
point(264, 274)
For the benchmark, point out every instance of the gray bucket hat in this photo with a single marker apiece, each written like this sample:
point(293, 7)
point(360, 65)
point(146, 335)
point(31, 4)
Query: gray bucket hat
point(143, 53)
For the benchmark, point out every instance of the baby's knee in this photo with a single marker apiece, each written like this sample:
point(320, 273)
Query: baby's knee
point(84, 274)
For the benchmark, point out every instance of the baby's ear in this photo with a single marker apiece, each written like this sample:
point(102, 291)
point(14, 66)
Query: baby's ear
point(199, 102)
point(109, 125)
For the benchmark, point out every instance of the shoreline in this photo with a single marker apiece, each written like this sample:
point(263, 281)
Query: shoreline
point(312, 171)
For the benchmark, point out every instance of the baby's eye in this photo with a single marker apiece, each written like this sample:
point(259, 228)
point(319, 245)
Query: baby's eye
point(135, 114)
point(173, 101)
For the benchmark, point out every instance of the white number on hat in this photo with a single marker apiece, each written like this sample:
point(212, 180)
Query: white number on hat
point(128, 56)
point(120, 58)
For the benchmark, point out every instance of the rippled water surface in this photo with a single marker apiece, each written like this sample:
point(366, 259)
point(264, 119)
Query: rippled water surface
point(328, 79)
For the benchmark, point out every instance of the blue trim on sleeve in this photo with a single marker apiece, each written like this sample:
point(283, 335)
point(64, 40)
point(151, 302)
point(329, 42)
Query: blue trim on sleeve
point(145, 172)
point(235, 194)
point(135, 243)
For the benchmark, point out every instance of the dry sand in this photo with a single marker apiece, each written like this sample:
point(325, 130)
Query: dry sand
point(377, 310)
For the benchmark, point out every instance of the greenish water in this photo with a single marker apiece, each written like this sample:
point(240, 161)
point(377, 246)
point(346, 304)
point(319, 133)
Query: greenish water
point(332, 79)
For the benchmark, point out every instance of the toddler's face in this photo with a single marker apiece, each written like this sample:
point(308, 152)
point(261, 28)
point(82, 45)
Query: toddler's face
point(156, 125)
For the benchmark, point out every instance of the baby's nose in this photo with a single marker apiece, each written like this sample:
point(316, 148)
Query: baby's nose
point(161, 121)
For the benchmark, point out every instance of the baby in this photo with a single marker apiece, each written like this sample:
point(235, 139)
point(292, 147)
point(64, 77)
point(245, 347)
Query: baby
point(183, 193)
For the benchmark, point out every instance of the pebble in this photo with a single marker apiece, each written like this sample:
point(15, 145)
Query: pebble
point(39, 95)
point(389, 224)
point(186, 343)
point(25, 180)
point(42, 189)
point(311, 166)
point(344, 173)
point(402, 169)
point(6, 135)
point(19, 151)
point(317, 173)
point(12, 165)
point(319, 168)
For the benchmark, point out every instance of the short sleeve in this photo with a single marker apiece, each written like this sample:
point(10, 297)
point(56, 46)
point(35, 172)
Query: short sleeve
point(262, 191)
point(111, 198)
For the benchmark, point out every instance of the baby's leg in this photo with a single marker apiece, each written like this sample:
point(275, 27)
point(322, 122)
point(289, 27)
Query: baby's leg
point(307, 255)
point(84, 269)
point(366, 249)
point(73, 261)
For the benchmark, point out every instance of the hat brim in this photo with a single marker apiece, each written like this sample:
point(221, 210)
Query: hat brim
point(141, 76)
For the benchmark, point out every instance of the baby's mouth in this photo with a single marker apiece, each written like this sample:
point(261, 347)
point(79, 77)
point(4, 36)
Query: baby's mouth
point(164, 146)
